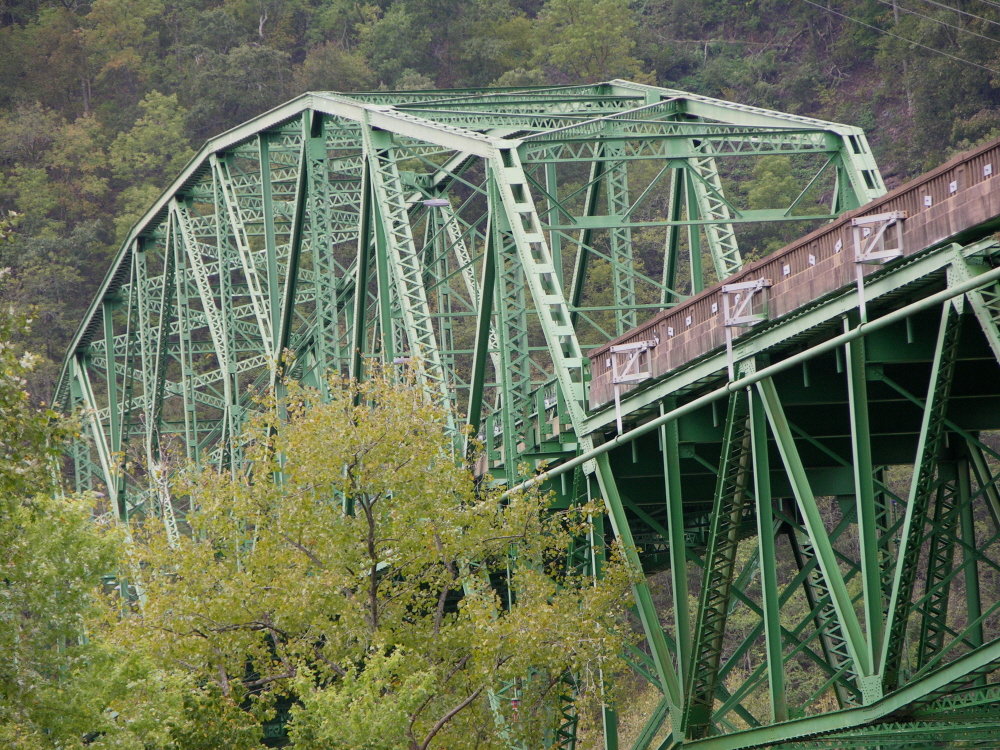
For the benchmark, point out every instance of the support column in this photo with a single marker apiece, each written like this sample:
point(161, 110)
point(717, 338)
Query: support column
point(670, 448)
point(650, 620)
point(864, 494)
point(768, 570)
point(846, 616)
point(729, 507)
point(970, 561)
point(921, 490)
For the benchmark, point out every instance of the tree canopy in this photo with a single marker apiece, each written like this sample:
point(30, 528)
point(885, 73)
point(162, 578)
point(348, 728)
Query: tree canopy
point(360, 581)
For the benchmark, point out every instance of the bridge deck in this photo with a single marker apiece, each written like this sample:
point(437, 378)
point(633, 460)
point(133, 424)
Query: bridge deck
point(960, 194)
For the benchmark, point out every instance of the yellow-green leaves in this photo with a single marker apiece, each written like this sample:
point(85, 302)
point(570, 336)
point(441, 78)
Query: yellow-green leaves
point(357, 570)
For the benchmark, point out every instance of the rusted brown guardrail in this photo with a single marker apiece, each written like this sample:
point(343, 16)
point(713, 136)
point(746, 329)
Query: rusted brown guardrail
point(943, 204)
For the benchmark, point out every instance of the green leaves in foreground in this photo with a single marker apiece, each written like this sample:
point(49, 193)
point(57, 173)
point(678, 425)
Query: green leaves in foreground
point(360, 576)
point(51, 560)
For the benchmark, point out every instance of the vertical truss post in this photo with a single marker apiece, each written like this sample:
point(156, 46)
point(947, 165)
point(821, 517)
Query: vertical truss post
point(940, 562)
point(81, 380)
point(270, 240)
point(436, 263)
point(319, 204)
point(694, 233)
point(884, 520)
point(141, 284)
point(486, 343)
point(552, 216)
point(406, 270)
point(594, 180)
point(164, 324)
point(226, 300)
point(286, 306)
point(667, 676)
point(115, 412)
point(672, 245)
point(921, 489)
point(157, 472)
point(184, 352)
point(623, 262)
point(713, 208)
point(729, 507)
point(768, 571)
point(864, 496)
point(130, 354)
point(847, 618)
point(970, 556)
point(387, 324)
point(362, 268)
point(514, 376)
point(670, 448)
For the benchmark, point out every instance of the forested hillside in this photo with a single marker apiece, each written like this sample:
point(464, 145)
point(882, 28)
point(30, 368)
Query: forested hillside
point(102, 102)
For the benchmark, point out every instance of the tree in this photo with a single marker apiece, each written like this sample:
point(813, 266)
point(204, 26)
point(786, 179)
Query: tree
point(330, 67)
point(45, 279)
point(222, 90)
point(359, 575)
point(148, 156)
point(51, 558)
point(395, 42)
point(588, 40)
point(62, 684)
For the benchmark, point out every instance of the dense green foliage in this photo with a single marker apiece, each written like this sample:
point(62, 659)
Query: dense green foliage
point(63, 683)
point(51, 558)
point(101, 102)
point(363, 597)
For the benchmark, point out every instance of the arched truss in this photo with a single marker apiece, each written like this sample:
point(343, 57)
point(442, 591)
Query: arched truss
point(494, 239)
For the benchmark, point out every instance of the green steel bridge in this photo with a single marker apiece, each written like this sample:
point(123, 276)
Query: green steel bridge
point(798, 448)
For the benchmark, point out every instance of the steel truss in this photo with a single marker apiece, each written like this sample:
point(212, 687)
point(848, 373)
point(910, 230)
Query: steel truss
point(821, 521)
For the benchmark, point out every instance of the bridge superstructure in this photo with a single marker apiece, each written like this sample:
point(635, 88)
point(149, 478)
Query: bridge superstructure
point(795, 450)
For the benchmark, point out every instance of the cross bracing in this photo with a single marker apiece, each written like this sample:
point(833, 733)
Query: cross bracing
point(797, 454)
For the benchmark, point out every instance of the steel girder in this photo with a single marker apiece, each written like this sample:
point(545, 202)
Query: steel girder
point(822, 522)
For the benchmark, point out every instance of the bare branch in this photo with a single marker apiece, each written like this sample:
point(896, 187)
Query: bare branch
point(305, 551)
point(449, 716)
point(272, 678)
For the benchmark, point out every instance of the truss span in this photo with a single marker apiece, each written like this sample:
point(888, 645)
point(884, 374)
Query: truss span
point(812, 497)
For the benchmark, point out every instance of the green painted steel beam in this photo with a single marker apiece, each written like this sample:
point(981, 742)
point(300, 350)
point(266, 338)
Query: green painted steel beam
point(854, 717)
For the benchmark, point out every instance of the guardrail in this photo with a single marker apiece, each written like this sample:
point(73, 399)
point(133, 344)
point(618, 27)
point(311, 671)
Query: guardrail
point(957, 200)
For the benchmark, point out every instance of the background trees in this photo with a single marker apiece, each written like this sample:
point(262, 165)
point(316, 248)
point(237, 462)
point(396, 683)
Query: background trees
point(102, 100)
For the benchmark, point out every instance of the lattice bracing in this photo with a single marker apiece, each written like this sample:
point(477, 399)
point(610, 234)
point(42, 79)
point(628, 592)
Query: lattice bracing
point(817, 485)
